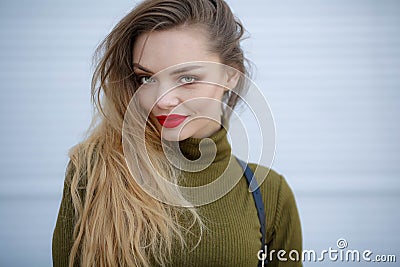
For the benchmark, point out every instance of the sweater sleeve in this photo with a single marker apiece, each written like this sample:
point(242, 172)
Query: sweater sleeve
point(63, 233)
point(285, 244)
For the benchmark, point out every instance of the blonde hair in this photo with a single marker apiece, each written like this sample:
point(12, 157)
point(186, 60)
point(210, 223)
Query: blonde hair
point(117, 223)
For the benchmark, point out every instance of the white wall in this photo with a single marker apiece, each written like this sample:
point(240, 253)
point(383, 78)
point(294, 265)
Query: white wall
point(330, 71)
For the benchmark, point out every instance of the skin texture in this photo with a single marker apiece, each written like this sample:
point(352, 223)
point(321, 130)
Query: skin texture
point(194, 93)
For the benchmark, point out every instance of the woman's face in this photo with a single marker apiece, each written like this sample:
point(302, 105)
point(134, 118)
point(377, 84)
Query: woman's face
point(182, 83)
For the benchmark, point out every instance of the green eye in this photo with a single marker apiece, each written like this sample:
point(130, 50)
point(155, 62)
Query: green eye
point(188, 79)
point(146, 80)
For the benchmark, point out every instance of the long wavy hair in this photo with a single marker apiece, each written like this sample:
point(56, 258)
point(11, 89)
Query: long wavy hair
point(116, 222)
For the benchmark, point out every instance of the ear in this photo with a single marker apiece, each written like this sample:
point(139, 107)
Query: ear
point(232, 78)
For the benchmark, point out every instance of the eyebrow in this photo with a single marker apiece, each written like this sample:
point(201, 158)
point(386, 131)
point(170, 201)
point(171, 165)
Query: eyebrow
point(185, 69)
point(137, 65)
point(175, 72)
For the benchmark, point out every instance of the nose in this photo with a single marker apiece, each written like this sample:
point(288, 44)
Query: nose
point(168, 99)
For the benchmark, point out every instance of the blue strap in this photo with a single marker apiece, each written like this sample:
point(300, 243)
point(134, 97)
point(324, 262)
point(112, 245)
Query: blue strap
point(248, 173)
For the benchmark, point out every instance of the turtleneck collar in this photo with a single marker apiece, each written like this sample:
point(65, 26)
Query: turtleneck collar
point(217, 144)
point(206, 158)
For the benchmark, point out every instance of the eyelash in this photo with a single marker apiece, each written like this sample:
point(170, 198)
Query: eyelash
point(140, 78)
point(192, 78)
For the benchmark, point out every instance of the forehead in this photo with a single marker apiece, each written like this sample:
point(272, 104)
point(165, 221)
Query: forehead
point(159, 50)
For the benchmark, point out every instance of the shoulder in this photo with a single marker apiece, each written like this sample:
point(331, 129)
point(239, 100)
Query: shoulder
point(272, 184)
point(268, 179)
point(277, 195)
point(78, 160)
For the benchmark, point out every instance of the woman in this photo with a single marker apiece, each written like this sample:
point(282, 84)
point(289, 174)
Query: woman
point(168, 76)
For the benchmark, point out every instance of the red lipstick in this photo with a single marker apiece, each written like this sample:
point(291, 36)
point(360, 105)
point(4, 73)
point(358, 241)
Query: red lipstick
point(171, 121)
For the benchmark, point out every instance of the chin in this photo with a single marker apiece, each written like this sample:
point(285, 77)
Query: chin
point(174, 135)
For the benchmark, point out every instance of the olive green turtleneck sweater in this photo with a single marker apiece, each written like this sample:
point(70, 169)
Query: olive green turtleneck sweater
point(232, 235)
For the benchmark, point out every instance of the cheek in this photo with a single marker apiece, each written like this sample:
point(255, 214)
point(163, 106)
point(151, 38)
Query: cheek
point(209, 91)
point(217, 92)
point(205, 97)
point(206, 102)
point(145, 100)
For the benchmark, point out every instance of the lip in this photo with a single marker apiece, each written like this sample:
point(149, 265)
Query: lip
point(171, 120)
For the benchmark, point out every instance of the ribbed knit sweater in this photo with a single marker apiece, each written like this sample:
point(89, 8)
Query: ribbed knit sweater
point(232, 235)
